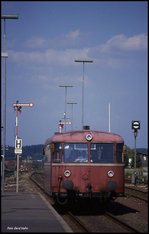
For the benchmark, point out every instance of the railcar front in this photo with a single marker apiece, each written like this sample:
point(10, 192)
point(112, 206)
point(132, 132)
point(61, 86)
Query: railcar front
point(84, 164)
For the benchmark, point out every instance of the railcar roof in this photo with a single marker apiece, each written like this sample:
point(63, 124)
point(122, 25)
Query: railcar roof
point(80, 136)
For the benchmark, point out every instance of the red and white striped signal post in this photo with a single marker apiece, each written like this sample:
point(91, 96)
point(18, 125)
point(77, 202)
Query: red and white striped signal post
point(18, 107)
point(61, 124)
point(18, 142)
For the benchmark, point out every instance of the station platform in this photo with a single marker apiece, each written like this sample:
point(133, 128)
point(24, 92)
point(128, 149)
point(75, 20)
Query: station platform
point(29, 212)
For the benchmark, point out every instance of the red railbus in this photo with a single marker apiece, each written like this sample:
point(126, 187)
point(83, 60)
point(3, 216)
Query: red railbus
point(85, 164)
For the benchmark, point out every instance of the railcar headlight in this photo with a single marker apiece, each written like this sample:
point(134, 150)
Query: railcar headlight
point(110, 174)
point(67, 173)
point(89, 137)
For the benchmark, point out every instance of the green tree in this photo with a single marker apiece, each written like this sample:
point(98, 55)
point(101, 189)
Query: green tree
point(129, 153)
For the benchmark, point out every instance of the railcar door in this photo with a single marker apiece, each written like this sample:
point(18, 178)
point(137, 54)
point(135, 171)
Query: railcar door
point(56, 168)
point(49, 148)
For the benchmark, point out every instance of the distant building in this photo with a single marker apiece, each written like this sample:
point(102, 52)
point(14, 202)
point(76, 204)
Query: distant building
point(10, 164)
point(144, 158)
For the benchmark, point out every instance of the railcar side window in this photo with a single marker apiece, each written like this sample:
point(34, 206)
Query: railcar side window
point(119, 150)
point(101, 153)
point(76, 152)
point(57, 154)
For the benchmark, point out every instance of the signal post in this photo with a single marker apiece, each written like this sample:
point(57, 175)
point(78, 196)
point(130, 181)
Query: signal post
point(18, 142)
point(135, 126)
point(61, 124)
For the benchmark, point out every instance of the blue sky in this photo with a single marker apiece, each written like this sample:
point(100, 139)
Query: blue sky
point(42, 46)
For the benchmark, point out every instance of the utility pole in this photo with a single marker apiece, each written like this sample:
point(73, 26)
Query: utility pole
point(109, 117)
point(72, 103)
point(65, 115)
point(4, 17)
point(83, 61)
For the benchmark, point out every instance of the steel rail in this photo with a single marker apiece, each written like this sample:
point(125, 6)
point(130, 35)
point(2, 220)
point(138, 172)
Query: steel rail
point(128, 193)
point(123, 224)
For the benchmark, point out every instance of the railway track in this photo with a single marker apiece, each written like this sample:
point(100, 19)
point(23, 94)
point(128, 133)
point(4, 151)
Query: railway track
point(133, 192)
point(126, 226)
point(79, 225)
point(99, 221)
point(99, 224)
point(38, 178)
point(88, 222)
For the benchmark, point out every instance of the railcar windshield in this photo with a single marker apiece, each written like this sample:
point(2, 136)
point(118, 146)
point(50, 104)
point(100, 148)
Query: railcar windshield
point(76, 152)
point(102, 153)
point(119, 150)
